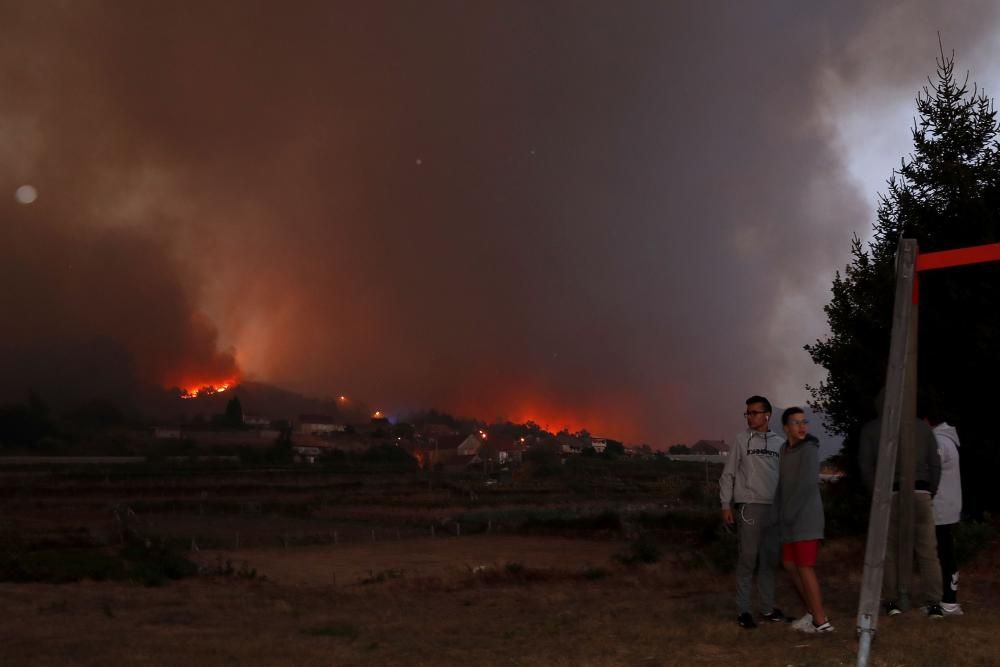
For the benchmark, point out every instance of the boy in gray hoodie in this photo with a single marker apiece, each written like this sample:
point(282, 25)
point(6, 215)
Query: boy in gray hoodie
point(746, 490)
point(800, 515)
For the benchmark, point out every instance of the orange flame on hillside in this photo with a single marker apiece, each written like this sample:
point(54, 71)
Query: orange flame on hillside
point(202, 389)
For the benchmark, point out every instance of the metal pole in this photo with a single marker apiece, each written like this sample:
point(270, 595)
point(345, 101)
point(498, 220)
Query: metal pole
point(878, 521)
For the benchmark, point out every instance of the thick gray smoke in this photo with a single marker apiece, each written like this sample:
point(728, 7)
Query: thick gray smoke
point(616, 215)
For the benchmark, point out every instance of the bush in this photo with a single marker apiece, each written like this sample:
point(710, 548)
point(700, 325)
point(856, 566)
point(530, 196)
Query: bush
point(150, 563)
point(60, 566)
point(153, 562)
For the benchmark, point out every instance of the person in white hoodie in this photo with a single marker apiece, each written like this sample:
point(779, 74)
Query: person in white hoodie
point(746, 490)
point(948, 512)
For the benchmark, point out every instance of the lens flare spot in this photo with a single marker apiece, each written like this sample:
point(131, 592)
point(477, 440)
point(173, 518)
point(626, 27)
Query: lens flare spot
point(26, 194)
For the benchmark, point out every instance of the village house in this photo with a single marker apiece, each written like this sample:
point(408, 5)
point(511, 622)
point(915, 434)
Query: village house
point(499, 450)
point(256, 421)
point(319, 424)
point(570, 444)
point(452, 451)
point(710, 448)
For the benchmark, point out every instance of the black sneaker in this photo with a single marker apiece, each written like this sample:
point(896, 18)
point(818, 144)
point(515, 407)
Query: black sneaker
point(774, 616)
point(934, 611)
point(892, 609)
point(746, 621)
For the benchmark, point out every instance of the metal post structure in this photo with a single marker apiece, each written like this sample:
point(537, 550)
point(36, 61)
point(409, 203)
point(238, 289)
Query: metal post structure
point(878, 521)
point(898, 418)
point(907, 466)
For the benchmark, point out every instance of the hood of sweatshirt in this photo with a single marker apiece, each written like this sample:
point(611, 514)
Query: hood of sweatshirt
point(948, 431)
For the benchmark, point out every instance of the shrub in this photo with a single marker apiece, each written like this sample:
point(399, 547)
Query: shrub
point(153, 562)
point(59, 566)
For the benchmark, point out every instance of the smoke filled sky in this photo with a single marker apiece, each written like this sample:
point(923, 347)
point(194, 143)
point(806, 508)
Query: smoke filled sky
point(619, 216)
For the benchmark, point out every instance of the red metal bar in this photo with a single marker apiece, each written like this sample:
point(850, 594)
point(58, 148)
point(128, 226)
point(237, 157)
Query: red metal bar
point(959, 257)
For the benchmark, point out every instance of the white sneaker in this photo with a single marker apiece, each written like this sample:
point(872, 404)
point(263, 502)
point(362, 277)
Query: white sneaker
point(811, 628)
point(952, 609)
point(801, 623)
point(820, 629)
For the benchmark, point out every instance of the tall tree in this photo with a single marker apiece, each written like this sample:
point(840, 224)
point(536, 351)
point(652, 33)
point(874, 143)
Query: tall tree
point(946, 194)
point(234, 413)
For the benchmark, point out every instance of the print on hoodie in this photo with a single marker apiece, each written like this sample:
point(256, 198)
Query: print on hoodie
point(751, 471)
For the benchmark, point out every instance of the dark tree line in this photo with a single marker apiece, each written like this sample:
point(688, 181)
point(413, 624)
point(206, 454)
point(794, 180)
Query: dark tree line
point(946, 195)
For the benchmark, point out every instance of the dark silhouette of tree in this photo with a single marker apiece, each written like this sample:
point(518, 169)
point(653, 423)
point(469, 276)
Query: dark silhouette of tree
point(24, 425)
point(613, 450)
point(234, 413)
point(946, 195)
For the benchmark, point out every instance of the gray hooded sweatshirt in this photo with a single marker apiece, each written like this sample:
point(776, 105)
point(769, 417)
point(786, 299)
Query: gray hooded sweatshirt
point(751, 471)
point(800, 507)
point(948, 501)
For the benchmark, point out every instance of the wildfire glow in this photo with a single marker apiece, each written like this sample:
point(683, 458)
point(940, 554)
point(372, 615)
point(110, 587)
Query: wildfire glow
point(206, 389)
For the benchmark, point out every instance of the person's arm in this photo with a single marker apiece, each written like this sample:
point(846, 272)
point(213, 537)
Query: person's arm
point(726, 482)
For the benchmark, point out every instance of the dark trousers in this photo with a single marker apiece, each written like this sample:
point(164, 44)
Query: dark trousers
point(949, 566)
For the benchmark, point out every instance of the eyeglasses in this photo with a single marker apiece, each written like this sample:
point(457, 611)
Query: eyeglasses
point(798, 422)
point(754, 413)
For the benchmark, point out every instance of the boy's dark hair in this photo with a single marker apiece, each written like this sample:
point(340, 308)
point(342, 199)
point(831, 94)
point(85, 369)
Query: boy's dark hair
point(789, 412)
point(760, 399)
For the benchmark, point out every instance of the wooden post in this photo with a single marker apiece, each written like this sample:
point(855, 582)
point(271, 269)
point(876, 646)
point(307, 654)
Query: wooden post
point(907, 463)
point(892, 413)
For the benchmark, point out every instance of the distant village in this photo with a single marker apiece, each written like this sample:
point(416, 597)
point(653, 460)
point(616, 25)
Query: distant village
point(433, 440)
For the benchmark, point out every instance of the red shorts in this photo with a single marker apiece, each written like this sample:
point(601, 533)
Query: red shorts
point(801, 553)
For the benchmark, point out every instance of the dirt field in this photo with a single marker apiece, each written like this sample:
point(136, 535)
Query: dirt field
point(517, 574)
point(456, 601)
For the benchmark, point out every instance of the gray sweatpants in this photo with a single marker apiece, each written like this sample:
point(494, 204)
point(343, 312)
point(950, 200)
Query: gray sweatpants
point(760, 547)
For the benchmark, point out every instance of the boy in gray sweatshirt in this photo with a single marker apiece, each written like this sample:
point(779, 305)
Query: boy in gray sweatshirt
point(800, 515)
point(746, 490)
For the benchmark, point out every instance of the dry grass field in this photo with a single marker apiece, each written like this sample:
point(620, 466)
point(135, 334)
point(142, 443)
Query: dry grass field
point(506, 596)
point(460, 601)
